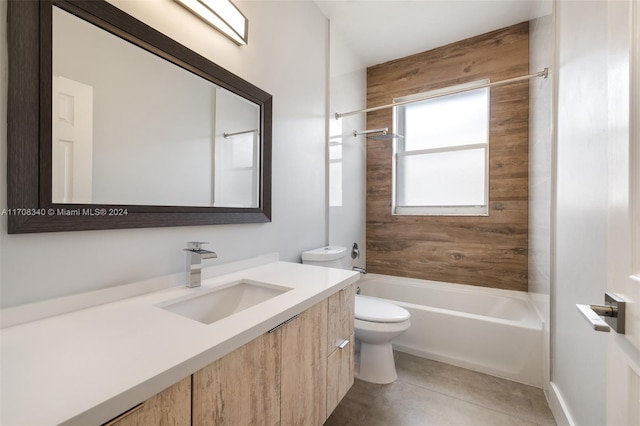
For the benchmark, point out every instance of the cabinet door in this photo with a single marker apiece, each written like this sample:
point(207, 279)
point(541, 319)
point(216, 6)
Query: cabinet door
point(171, 407)
point(304, 368)
point(341, 316)
point(241, 388)
point(340, 345)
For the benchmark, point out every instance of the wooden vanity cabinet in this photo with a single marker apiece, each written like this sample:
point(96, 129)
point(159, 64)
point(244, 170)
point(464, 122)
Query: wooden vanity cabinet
point(296, 374)
point(340, 345)
point(293, 375)
point(171, 407)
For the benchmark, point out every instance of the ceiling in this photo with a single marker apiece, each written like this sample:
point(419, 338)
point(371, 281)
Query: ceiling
point(381, 30)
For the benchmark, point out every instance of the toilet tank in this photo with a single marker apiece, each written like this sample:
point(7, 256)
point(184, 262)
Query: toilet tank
point(330, 256)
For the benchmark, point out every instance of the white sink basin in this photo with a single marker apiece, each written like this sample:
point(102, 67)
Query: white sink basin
point(217, 304)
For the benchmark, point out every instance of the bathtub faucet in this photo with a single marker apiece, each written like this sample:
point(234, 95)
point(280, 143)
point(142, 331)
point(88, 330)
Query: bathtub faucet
point(361, 270)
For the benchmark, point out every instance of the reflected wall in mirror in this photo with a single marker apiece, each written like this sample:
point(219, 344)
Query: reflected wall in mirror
point(105, 112)
point(106, 94)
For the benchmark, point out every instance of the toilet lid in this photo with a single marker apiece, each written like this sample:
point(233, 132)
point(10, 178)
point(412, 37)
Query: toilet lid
point(376, 310)
point(324, 253)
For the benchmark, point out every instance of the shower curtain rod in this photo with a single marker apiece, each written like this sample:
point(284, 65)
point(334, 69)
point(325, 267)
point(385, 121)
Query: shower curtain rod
point(544, 73)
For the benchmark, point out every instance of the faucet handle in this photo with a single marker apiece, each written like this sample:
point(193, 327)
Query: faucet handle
point(196, 245)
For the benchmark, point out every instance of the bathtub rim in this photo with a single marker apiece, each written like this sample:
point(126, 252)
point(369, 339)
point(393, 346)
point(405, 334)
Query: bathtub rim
point(527, 323)
point(460, 288)
point(419, 282)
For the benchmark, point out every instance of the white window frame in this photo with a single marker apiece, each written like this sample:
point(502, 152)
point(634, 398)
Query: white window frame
point(398, 152)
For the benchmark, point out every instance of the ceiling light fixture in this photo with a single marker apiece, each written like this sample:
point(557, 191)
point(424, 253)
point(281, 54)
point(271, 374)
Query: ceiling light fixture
point(222, 15)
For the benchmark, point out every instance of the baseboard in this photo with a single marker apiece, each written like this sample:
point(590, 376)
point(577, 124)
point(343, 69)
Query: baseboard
point(559, 407)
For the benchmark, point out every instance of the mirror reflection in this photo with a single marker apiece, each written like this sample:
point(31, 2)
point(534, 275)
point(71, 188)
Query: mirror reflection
point(130, 128)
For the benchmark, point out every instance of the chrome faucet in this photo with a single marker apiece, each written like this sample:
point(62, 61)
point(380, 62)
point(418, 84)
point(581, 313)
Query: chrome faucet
point(195, 254)
point(361, 270)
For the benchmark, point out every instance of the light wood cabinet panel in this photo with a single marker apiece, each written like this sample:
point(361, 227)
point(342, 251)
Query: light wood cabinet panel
point(339, 374)
point(341, 316)
point(242, 388)
point(304, 368)
point(171, 407)
point(341, 308)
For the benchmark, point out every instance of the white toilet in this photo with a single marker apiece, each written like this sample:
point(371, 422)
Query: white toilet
point(377, 322)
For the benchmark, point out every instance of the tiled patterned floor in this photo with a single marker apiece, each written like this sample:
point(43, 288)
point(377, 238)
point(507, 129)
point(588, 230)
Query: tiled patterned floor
point(431, 393)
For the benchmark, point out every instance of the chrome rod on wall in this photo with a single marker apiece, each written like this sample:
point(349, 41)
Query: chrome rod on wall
point(226, 135)
point(383, 130)
point(544, 73)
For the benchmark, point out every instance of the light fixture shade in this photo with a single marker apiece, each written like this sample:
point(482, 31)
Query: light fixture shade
point(223, 15)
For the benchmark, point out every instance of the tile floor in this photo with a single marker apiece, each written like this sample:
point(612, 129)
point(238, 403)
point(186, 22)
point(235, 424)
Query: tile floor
point(431, 393)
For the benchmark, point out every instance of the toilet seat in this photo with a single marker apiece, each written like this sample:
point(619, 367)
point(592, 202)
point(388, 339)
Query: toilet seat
point(372, 309)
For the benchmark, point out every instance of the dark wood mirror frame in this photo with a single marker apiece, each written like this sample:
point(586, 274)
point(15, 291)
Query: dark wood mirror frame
point(29, 115)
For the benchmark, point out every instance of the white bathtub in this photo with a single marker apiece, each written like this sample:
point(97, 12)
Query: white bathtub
point(493, 331)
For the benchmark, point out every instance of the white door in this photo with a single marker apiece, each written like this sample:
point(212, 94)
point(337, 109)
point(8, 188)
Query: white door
point(72, 150)
point(623, 354)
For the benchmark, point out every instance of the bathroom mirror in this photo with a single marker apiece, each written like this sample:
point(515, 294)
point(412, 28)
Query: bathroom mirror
point(114, 125)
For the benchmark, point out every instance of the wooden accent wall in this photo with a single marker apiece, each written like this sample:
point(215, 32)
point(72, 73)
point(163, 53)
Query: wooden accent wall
point(485, 251)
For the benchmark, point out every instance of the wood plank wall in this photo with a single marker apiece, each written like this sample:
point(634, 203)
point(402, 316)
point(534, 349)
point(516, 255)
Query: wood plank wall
point(485, 251)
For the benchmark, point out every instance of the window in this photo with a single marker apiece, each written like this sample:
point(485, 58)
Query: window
point(335, 172)
point(237, 165)
point(441, 163)
point(335, 163)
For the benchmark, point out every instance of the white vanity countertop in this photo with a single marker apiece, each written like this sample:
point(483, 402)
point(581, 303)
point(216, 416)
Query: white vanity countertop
point(88, 366)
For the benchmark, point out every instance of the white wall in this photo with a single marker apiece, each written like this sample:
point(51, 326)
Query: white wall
point(578, 353)
point(541, 55)
point(348, 190)
point(286, 57)
point(149, 114)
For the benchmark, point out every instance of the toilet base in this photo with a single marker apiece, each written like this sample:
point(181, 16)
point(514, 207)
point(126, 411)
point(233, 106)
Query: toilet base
point(376, 363)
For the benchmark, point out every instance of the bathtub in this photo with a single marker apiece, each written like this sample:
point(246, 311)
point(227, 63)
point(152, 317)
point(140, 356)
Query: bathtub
point(493, 331)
